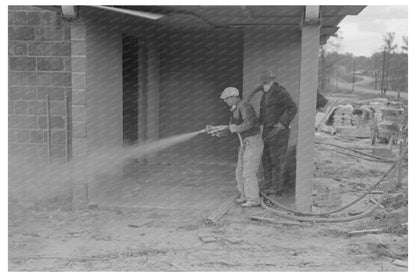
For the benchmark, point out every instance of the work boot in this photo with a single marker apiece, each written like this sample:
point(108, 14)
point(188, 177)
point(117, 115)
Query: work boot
point(250, 204)
point(240, 200)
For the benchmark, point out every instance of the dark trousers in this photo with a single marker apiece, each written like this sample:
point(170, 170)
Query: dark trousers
point(274, 159)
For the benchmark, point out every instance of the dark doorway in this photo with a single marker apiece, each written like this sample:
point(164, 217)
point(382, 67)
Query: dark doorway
point(130, 89)
point(194, 69)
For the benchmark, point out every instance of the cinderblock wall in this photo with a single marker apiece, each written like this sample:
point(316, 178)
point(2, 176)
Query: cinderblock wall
point(39, 65)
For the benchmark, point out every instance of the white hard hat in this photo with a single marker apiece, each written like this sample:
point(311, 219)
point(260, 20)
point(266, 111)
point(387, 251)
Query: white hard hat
point(228, 92)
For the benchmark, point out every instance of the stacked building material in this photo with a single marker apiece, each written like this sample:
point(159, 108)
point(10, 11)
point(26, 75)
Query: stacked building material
point(392, 121)
point(343, 115)
point(377, 107)
point(392, 114)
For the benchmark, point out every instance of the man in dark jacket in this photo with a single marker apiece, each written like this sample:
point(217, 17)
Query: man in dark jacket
point(277, 110)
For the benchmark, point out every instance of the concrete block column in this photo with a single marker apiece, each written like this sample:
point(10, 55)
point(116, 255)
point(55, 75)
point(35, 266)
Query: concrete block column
point(307, 108)
point(79, 112)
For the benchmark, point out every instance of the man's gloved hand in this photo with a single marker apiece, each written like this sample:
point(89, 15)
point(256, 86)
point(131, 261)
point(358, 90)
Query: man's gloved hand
point(233, 128)
point(276, 129)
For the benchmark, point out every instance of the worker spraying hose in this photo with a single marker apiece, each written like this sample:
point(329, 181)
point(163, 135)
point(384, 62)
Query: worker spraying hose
point(244, 123)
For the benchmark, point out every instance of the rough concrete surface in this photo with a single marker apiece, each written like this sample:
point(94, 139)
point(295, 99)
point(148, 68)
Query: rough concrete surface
point(156, 239)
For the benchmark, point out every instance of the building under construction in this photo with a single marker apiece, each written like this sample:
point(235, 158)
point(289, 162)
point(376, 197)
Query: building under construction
point(88, 78)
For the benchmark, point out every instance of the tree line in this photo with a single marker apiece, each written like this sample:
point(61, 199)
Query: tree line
point(387, 67)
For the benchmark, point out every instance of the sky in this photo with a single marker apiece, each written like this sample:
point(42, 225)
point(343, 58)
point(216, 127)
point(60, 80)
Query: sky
point(363, 34)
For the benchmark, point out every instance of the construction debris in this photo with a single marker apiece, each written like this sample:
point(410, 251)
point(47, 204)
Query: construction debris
point(234, 240)
point(138, 225)
point(207, 239)
point(400, 263)
point(365, 232)
point(396, 202)
point(221, 210)
point(355, 212)
point(352, 131)
point(275, 221)
point(375, 202)
point(356, 151)
point(376, 119)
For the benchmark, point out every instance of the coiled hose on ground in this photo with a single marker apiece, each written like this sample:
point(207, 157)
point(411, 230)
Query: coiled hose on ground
point(320, 217)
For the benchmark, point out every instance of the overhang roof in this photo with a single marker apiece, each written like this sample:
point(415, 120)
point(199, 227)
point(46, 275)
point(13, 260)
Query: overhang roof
point(234, 17)
point(248, 16)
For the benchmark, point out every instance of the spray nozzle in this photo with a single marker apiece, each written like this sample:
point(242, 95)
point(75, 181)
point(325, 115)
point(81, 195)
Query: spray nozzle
point(209, 129)
point(212, 130)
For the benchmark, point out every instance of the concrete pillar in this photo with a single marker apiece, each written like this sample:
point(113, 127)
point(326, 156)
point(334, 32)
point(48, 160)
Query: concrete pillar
point(104, 110)
point(79, 118)
point(307, 108)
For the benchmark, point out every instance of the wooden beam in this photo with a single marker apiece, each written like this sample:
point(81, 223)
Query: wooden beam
point(221, 210)
point(329, 30)
point(351, 10)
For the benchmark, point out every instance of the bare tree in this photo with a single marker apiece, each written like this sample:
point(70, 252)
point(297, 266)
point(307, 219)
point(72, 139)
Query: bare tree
point(404, 65)
point(388, 47)
point(375, 63)
point(323, 68)
point(405, 46)
point(327, 67)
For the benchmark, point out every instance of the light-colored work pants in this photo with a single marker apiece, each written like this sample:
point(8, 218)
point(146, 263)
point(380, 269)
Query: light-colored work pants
point(249, 158)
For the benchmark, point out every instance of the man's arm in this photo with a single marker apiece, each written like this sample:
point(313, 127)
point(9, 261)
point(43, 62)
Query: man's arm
point(222, 130)
point(251, 94)
point(261, 112)
point(290, 111)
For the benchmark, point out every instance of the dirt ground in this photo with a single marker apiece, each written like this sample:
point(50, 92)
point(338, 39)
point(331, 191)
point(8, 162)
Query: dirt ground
point(157, 239)
point(176, 240)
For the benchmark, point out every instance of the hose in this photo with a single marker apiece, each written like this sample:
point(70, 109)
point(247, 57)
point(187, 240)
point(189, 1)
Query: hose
point(309, 217)
point(361, 157)
point(241, 140)
point(356, 151)
point(341, 208)
point(322, 219)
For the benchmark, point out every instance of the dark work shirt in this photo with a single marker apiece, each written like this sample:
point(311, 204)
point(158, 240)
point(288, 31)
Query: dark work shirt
point(244, 116)
point(276, 106)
